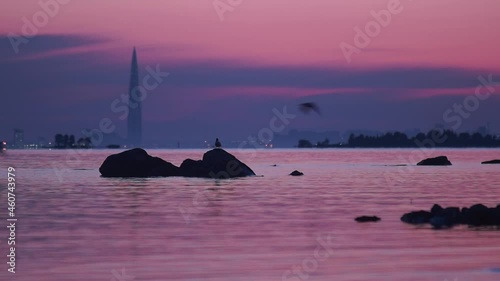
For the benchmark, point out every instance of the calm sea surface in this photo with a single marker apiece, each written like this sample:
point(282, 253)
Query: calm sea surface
point(74, 225)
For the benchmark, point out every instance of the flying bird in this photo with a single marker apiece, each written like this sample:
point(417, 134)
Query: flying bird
point(307, 107)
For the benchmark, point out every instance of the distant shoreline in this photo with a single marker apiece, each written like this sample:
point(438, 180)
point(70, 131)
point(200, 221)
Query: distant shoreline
point(432, 139)
point(249, 148)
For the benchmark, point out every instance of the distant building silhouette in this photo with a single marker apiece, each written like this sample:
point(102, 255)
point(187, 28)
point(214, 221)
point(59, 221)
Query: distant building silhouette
point(18, 138)
point(135, 110)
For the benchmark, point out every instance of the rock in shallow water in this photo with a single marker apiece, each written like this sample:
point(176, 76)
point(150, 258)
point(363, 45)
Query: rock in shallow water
point(417, 217)
point(136, 163)
point(446, 217)
point(476, 215)
point(296, 173)
point(436, 209)
point(436, 161)
point(216, 163)
point(367, 219)
point(496, 161)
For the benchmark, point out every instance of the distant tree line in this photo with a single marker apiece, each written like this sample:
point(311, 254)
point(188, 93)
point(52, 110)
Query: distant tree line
point(437, 138)
point(68, 141)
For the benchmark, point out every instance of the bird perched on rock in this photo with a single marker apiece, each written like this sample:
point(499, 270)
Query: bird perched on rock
point(217, 143)
point(307, 107)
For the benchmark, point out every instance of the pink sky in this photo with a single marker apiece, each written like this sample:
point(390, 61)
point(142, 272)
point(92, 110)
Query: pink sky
point(265, 53)
point(446, 33)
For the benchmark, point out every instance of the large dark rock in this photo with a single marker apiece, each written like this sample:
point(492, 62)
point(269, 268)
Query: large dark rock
point(193, 168)
point(216, 163)
point(496, 161)
point(436, 161)
point(222, 164)
point(136, 163)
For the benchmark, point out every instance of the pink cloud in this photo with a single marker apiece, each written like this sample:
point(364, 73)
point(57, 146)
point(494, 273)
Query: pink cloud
point(457, 33)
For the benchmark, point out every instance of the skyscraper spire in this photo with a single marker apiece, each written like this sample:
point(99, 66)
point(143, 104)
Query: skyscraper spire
point(135, 111)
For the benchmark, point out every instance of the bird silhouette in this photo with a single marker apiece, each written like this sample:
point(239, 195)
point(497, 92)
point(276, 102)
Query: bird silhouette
point(217, 143)
point(307, 107)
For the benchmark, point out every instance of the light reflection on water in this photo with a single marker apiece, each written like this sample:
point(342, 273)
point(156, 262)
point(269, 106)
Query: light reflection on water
point(75, 225)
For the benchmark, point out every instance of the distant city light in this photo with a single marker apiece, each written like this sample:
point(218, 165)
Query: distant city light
point(31, 146)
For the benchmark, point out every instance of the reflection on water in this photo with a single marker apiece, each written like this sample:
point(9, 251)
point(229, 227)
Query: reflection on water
point(75, 225)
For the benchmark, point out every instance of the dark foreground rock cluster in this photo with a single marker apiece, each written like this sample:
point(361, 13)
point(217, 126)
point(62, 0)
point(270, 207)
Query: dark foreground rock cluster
point(439, 217)
point(216, 163)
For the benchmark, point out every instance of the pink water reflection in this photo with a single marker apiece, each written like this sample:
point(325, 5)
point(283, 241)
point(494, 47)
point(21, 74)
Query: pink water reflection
point(257, 228)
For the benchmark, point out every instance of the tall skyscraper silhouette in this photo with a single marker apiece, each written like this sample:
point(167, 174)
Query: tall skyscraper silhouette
point(134, 105)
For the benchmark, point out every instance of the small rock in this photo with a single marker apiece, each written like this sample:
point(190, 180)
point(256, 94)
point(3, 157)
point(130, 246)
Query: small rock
point(436, 161)
point(367, 219)
point(296, 173)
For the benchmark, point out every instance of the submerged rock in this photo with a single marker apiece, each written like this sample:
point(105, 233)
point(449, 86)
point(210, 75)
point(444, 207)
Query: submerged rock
point(296, 173)
point(216, 163)
point(436, 161)
point(496, 161)
point(367, 219)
